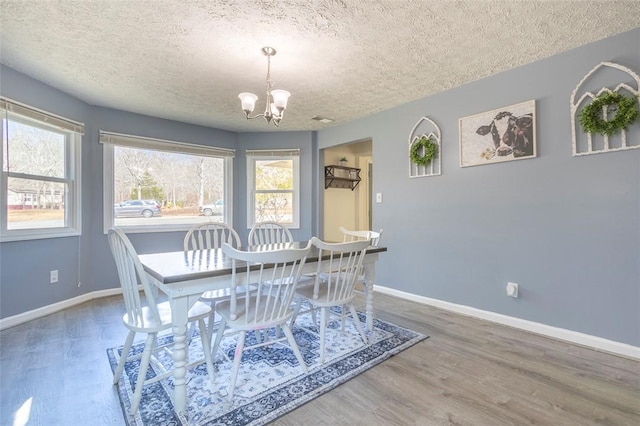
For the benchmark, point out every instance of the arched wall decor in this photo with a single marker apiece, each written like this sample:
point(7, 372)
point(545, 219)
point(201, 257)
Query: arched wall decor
point(583, 143)
point(430, 131)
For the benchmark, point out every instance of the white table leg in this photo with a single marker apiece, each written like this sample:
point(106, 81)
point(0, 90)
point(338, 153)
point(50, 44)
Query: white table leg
point(369, 279)
point(180, 309)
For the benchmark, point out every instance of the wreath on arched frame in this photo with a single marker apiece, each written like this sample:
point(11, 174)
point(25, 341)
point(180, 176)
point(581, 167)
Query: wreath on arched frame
point(593, 120)
point(423, 151)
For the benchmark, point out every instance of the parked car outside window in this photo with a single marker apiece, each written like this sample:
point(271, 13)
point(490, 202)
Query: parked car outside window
point(216, 208)
point(136, 208)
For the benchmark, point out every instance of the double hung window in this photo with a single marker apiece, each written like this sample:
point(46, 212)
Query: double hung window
point(273, 181)
point(40, 189)
point(157, 185)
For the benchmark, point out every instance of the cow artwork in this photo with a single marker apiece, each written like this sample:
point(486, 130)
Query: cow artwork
point(510, 134)
point(500, 135)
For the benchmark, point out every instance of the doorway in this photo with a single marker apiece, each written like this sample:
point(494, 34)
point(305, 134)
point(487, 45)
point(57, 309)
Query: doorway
point(345, 207)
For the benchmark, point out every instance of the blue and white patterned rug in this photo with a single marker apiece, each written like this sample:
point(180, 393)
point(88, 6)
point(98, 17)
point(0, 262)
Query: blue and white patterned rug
point(270, 382)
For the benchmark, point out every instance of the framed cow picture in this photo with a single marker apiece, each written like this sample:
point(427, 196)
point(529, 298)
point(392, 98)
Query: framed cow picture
point(504, 134)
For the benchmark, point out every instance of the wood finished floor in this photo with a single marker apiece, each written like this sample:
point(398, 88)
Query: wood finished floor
point(469, 372)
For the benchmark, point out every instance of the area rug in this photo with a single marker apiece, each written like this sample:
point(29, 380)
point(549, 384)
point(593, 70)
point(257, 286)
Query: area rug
point(270, 381)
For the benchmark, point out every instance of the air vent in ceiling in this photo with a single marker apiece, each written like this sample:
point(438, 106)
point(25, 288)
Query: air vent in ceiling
point(322, 119)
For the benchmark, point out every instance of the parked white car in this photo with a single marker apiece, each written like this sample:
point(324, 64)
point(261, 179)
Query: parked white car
point(216, 208)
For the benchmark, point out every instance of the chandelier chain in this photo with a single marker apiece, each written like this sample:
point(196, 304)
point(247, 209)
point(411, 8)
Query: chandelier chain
point(269, 82)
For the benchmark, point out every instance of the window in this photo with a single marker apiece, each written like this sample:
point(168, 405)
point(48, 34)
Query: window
point(40, 190)
point(155, 185)
point(273, 183)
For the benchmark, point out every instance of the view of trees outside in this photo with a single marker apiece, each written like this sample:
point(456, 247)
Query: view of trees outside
point(35, 153)
point(180, 183)
point(274, 191)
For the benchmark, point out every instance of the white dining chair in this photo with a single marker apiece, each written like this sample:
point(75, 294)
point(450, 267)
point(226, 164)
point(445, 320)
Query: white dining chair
point(337, 271)
point(265, 309)
point(374, 238)
point(211, 236)
point(269, 233)
point(150, 318)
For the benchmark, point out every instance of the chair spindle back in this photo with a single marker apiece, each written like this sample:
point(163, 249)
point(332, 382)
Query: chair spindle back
point(339, 266)
point(269, 233)
point(270, 303)
point(361, 235)
point(131, 273)
point(210, 236)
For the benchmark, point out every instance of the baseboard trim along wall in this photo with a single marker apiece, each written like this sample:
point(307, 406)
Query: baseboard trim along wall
point(535, 327)
point(14, 320)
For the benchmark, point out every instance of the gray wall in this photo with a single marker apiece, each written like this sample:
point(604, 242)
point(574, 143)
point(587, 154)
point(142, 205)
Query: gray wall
point(25, 265)
point(566, 229)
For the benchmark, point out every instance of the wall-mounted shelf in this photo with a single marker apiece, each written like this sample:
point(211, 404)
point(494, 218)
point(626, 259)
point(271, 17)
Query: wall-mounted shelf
point(341, 177)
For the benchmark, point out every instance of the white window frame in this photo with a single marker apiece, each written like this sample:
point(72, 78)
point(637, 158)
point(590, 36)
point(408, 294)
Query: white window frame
point(110, 139)
point(73, 132)
point(254, 155)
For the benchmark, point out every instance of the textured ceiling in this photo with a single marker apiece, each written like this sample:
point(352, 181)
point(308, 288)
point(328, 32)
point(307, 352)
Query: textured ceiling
point(188, 59)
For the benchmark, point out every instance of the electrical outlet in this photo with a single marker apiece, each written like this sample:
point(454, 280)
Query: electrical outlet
point(53, 276)
point(512, 289)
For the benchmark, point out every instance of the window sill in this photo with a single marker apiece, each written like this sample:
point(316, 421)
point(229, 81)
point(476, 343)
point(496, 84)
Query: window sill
point(38, 234)
point(142, 229)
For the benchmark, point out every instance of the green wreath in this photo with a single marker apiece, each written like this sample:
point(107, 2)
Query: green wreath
point(430, 149)
point(592, 120)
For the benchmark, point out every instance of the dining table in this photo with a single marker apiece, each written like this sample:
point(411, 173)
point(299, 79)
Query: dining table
point(184, 275)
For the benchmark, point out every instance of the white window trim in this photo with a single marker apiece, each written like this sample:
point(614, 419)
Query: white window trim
point(110, 139)
point(269, 154)
point(73, 163)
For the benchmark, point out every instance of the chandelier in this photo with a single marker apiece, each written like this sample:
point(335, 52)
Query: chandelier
point(276, 99)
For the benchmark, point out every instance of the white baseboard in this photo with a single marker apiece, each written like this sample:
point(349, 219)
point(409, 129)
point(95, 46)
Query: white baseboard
point(535, 327)
point(50, 309)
